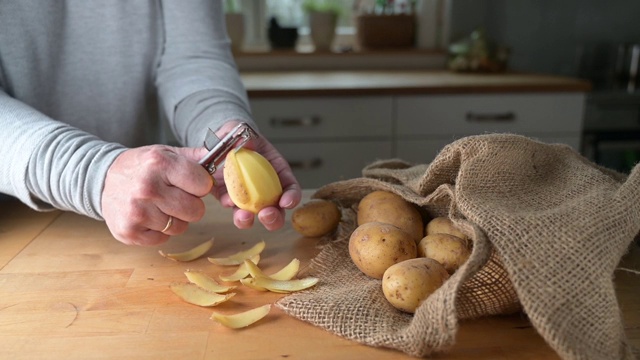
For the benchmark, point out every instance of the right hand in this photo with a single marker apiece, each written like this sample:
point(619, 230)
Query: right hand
point(146, 185)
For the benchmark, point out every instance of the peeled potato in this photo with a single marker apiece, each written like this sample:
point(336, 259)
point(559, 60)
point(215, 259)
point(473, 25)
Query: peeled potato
point(316, 218)
point(375, 246)
point(408, 283)
point(450, 251)
point(443, 225)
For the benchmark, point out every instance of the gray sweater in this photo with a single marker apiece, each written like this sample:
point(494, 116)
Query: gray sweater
point(80, 81)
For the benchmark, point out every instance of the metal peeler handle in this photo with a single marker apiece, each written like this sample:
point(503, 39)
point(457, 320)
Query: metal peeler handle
point(235, 139)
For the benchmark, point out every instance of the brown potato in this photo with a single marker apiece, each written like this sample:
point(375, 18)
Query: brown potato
point(375, 246)
point(443, 225)
point(390, 208)
point(451, 251)
point(408, 283)
point(316, 218)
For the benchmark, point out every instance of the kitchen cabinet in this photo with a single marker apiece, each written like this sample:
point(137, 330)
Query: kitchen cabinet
point(329, 125)
point(425, 124)
point(327, 138)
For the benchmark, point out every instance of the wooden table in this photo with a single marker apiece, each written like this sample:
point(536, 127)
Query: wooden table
point(69, 290)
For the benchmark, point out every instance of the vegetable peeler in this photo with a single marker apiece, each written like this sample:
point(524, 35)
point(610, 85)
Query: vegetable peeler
point(219, 148)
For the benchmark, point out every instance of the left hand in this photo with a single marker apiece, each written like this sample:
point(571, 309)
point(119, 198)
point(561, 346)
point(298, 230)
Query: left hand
point(272, 218)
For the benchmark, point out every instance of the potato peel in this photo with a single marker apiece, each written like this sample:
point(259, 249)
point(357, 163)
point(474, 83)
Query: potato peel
point(190, 254)
point(239, 257)
point(243, 319)
point(196, 295)
point(206, 282)
point(241, 272)
point(280, 286)
point(286, 273)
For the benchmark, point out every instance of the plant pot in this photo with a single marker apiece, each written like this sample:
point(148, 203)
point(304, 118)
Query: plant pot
point(235, 29)
point(385, 31)
point(281, 37)
point(322, 27)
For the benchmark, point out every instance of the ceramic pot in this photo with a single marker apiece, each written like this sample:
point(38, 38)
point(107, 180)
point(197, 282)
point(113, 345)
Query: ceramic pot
point(322, 27)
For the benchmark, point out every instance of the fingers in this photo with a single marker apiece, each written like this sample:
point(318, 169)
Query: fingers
point(145, 186)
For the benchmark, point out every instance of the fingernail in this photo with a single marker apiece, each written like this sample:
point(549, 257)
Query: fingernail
point(270, 218)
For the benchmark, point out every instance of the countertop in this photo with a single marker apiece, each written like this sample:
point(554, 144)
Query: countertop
point(410, 82)
point(69, 290)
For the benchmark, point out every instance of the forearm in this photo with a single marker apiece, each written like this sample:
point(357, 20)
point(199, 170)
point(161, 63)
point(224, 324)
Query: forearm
point(48, 164)
point(197, 79)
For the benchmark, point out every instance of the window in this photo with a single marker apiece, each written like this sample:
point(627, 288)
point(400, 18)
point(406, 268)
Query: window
point(432, 16)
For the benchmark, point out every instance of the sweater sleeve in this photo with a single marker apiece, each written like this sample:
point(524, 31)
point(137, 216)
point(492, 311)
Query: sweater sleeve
point(47, 164)
point(197, 79)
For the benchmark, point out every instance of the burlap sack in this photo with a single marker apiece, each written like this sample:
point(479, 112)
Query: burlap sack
point(557, 223)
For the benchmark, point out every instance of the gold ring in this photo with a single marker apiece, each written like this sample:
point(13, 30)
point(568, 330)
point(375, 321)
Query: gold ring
point(169, 223)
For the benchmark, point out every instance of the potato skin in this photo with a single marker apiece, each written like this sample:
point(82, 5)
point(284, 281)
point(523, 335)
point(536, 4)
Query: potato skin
point(375, 246)
point(443, 225)
point(408, 283)
point(450, 251)
point(316, 218)
point(390, 208)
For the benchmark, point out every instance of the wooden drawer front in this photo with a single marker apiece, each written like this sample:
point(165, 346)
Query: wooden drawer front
point(318, 163)
point(317, 118)
point(477, 114)
point(424, 151)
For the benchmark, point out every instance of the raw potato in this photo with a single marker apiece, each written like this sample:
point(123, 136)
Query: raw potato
point(251, 180)
point(442, 225)
point(386, 207)
point(196, 295)
point(374, 246)
point(450, 251)
point(407, 284)
point(316, 218)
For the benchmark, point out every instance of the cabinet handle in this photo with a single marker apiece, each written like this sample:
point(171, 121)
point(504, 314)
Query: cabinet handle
point(310, 164)
point(296, 122)
point(498, 117)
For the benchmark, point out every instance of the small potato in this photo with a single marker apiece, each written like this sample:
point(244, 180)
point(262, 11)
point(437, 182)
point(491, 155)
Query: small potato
point(390, 208)
point(408, 283)
point(443, 225)
point(316, 218)
point(450, 251)
point(375, 246)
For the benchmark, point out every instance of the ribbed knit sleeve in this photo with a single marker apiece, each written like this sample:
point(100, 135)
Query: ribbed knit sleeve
point(47, 164)
point(197, 78)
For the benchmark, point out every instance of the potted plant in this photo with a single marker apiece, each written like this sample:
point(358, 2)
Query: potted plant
point(234, 19)
point(323, 17)
point(390, 24)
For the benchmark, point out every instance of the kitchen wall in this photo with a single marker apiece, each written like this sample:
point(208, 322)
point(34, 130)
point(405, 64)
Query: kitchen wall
point(548, 36)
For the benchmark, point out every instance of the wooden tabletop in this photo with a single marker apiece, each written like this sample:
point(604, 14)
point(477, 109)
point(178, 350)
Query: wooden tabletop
point(69, 290)
point(412, 82)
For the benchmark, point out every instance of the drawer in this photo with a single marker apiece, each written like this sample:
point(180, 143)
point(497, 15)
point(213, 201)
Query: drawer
point(423, 151)
point(477, 114)
point(318, 163)
point(325, 117)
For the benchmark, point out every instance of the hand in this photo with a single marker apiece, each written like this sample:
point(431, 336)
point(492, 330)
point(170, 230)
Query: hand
point(145, 186)
point(272, 218)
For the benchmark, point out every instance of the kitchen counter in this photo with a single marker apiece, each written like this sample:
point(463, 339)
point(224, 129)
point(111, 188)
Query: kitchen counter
point(69, 290)
point(413, 82)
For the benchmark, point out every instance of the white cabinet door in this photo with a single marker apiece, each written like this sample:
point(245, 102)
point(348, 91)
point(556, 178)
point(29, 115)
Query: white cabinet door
point(423, 151)
point(554, 113)
point(317, 163)
point(324, 117)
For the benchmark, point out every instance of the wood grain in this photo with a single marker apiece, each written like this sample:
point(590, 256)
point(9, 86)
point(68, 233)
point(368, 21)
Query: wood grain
point(74, 292)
